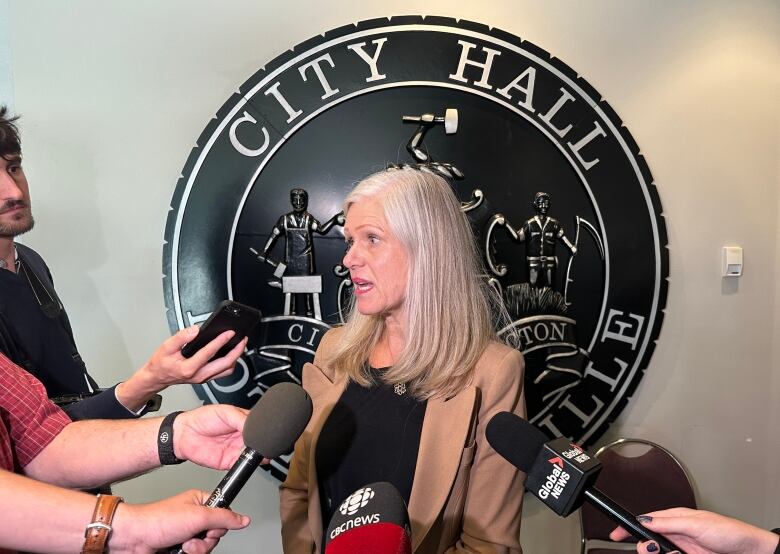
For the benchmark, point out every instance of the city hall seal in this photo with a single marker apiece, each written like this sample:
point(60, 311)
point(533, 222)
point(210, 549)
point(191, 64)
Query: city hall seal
point(564, 207)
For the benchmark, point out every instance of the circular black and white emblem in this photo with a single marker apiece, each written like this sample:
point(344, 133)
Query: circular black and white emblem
point(582, 268)
point(356, 500)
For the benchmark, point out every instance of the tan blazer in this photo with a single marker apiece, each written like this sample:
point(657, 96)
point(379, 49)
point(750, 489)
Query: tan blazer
point(465, 497)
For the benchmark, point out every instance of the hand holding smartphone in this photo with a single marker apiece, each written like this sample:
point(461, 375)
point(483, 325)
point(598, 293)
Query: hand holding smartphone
point(228, 316)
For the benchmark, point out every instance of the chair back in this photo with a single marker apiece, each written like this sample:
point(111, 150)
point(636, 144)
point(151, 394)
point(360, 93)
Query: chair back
point(652, 480)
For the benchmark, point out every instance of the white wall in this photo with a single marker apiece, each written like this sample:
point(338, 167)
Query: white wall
point(114, 95)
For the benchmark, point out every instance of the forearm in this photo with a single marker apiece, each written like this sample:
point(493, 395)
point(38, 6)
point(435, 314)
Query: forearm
point(569, 245)
point(90, 453)
point(275, 232)
point(336, 219)
point(767, 541)
point(42, 518)
point(167, 366)
point(139, 389)
point(104, 405)
point(700, 530)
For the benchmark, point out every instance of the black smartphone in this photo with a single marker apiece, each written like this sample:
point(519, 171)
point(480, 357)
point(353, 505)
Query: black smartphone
point(228, 316)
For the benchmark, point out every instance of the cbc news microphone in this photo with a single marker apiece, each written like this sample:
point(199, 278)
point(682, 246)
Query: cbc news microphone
point(372, 520)
point(560, 473)
point(273, 425)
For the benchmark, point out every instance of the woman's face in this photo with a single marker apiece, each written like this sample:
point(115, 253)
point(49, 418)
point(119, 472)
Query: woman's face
point(377, 262)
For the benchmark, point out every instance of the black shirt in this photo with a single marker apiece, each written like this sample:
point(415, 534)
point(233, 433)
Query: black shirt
point(43, 336)
point(372, 434)
point(35, 333)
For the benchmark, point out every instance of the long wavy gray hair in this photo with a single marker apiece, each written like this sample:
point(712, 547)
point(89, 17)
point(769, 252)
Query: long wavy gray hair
point(449, 305)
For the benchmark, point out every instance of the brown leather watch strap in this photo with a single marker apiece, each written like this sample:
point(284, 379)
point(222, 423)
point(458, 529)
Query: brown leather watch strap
point(97, 533)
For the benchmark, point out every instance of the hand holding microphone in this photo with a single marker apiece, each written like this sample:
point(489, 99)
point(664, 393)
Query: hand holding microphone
point(703, 532)
point(560, 473)
point(210, 436)
point(271, 429)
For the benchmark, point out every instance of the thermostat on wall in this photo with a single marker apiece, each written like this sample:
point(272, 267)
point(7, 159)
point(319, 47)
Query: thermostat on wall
point(732, 261)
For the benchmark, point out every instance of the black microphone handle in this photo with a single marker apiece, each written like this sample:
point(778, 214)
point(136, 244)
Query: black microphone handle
point(628, 521)
point(228, 488)
point(235, 479)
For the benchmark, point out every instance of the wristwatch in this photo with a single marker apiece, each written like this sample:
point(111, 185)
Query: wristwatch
point(98, 532)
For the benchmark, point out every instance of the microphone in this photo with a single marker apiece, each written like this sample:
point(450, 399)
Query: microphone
point(273, 425)
point(560, 474)
point(373, 519)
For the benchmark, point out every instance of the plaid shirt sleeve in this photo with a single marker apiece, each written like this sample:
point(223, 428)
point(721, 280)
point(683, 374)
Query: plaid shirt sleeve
point(29, 421)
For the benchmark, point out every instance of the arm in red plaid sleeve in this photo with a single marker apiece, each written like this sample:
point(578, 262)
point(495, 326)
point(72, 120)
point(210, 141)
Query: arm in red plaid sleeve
point(31, 421)
point(137, 527)
point(38, 438)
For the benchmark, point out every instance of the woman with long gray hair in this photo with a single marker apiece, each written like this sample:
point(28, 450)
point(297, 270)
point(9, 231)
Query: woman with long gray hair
point(403, 391)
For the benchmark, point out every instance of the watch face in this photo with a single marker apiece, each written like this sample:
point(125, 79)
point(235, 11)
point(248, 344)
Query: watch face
point(582, 268)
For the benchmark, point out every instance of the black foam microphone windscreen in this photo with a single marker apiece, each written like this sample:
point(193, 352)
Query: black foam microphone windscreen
point(372, 520)
point(516, 442)
point(273, 425)
point(277, 420)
